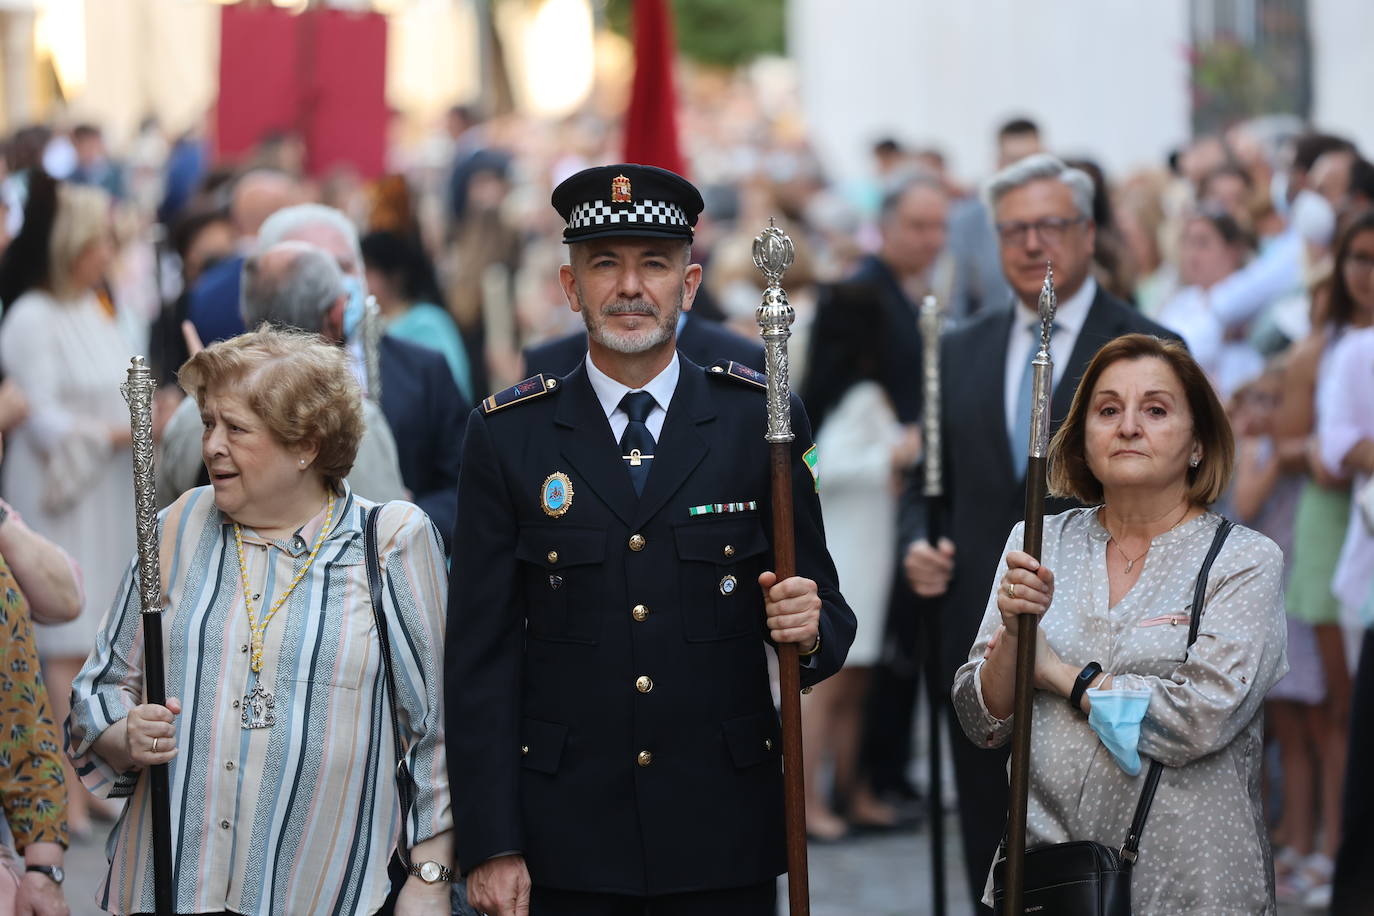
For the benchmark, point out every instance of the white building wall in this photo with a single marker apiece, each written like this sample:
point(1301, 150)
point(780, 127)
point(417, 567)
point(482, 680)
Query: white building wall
point(1107, 78)
point(1343, 69)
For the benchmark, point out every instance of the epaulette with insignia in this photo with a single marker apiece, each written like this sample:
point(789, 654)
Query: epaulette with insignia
point(727, 367)
point(528, 390)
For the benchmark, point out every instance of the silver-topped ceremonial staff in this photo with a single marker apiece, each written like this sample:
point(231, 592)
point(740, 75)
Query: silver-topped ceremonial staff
point(933, 491)
point(1042, 373)
point(138, 392)
point(773, 254)
point(372, 342)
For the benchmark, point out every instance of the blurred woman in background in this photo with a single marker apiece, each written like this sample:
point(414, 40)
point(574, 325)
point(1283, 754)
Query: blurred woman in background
point(69, 464)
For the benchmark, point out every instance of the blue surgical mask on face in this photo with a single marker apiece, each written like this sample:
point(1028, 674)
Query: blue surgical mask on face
point(356, 307)
point(1115, 716)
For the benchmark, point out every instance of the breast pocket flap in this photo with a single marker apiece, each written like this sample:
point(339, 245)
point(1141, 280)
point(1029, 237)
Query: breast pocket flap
point(723, 542)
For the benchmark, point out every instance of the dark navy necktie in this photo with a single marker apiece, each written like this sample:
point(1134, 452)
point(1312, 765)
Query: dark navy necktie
point(637, 443)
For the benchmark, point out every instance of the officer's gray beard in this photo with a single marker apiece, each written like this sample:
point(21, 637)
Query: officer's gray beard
point(631, 342)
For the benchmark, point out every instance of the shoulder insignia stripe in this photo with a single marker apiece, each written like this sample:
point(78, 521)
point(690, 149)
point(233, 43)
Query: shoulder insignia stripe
point(739, 371)
point(528, 390)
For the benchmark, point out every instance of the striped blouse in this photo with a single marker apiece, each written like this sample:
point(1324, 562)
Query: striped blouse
point(301, 817)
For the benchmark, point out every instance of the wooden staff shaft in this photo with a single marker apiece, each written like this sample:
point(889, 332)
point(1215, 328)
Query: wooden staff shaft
point(789, 685)
point(1022, 704)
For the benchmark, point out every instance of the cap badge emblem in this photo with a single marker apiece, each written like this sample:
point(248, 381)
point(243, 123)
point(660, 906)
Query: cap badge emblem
point(556, 495)
point(620, 190)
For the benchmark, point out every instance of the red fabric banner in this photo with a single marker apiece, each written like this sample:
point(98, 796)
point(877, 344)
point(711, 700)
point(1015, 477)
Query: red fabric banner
point(320, 75)
point(651, 122)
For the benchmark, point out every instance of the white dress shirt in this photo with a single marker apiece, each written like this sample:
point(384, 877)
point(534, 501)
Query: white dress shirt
point(609, 392)
point(1021, 346)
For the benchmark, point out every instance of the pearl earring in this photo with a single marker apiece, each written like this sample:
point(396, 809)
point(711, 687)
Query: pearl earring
point(1194, 461)
point(303, 462)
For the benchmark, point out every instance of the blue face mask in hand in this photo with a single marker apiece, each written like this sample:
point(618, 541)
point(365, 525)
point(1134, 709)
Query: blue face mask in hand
point(356, 307)
point(1115, 716)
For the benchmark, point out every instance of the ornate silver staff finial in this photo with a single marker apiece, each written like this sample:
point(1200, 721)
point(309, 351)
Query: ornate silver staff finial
point(138, 392)
point(773, 254)
point(372, 340)
point(1049, 304)
point(1042, 370)
point(930, 320)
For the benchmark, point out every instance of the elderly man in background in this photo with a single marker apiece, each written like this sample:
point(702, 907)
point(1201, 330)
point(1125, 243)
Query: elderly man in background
point(419, 398)
point(214, 300)
point(292, 285)
point(1043, 213)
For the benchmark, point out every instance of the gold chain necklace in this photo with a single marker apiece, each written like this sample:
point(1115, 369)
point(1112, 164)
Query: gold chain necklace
point(1131, 561)
point(258, 703)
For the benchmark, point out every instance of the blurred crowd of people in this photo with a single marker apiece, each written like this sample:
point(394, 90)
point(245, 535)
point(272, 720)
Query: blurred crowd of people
point(1255, 245)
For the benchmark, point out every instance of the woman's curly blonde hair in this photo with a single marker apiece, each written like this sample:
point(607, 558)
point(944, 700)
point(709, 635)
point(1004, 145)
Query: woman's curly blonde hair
point(299, 384)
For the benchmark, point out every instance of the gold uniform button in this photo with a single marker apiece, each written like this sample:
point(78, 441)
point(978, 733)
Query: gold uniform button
point(729, 550)
point(644, 683)
point(767, 744)
point(524, 750)
point(640, 613)
point(637, 542)
point(552, 557)
point(645, 758)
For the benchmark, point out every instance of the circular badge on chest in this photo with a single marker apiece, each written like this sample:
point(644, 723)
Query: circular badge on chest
point(727, 585)
point(556, 494)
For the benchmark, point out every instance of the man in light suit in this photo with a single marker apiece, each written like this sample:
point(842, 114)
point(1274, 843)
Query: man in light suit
point(1043, 213)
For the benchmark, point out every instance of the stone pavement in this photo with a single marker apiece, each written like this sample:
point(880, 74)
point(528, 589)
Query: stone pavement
point(875, 875)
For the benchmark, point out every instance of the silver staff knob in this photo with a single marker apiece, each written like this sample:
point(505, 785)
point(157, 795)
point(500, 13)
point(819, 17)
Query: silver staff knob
point(1049, 304)
point(773, 254)
point(931, 320)
point(138, 391)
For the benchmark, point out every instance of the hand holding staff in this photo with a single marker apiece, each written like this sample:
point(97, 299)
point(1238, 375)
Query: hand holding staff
point(1042, 368)
point(138, 392)
point(773, 254)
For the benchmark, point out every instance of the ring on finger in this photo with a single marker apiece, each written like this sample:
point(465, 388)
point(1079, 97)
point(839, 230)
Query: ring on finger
point(155, 741)
point(1011, 590)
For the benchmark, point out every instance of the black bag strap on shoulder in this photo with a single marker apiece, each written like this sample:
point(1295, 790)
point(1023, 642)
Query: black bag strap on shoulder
point(1129, 849)
point(405, 786)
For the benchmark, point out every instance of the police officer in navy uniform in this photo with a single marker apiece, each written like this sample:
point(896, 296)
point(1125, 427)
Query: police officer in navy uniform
point(613, 746)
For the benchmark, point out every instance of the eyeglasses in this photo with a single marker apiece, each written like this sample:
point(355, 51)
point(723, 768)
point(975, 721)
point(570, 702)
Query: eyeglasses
point(1050, 230)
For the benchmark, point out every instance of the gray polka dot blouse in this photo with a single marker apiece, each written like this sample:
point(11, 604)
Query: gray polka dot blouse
point(1205, 849)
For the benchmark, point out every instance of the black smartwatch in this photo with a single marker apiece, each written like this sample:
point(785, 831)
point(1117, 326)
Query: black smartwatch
point(1083, 682)
point(54, 872)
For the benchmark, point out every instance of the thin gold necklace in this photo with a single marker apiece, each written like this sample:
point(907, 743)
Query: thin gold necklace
point(258, 703)
point(1131, 561)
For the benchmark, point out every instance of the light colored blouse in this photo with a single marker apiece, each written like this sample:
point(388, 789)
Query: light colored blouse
point(303, 816)
point(1205, 849)
point(1345, 417)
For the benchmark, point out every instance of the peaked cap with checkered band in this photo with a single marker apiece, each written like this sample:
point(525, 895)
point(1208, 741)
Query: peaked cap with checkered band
point(627, 200)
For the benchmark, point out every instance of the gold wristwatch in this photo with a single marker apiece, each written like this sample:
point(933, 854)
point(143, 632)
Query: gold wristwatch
point(431, 872)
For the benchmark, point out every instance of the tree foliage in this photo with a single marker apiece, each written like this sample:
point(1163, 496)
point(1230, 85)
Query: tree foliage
point(725, 33)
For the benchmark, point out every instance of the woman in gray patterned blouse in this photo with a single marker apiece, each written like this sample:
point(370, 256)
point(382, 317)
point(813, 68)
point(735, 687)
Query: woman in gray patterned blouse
point(1147, 445)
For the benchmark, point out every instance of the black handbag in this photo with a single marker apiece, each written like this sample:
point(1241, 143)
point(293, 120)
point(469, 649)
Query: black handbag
point(399, 866)
point(1086, 878)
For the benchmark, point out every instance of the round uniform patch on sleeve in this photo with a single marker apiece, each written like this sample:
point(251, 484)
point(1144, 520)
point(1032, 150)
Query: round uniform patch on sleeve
point(556, 494)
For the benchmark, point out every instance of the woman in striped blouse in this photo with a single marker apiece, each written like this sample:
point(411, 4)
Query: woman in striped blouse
point(277, 730)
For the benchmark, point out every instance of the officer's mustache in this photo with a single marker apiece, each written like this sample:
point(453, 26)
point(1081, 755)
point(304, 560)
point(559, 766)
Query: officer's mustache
point(626, 307)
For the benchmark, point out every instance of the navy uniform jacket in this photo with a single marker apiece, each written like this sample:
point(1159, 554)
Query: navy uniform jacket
point(701, 340)
point(427, 415)
point(556, 748)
